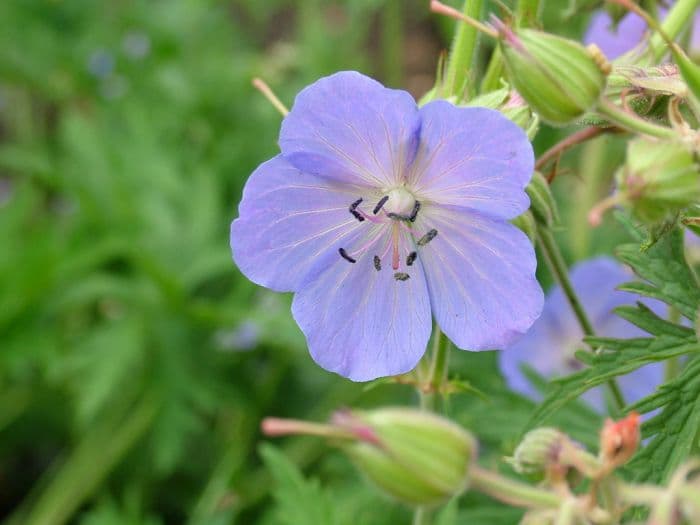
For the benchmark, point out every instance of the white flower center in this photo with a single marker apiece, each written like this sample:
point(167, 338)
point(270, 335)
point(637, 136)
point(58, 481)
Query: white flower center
point(401, 202)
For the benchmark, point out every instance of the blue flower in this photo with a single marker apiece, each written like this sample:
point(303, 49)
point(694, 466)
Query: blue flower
point(617, 39)
point(379, 216)
point(549, 346)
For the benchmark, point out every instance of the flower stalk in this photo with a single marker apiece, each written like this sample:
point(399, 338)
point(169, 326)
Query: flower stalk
point(462, 51)
point(557, 266)
point(631, 122)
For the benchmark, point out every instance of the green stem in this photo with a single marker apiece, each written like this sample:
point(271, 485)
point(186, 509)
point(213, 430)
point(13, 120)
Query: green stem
point(631, 122)
point(420, 517)
point(392, 36)
point(678, 18)
point(494, 71)
point(437, 375)
point(673, 365)
point(462, 51)
point(558, 267)
point(510, 491)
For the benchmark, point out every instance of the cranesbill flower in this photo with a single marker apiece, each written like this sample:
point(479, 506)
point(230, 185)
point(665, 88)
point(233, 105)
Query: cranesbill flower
point(615, 40)
point(380, 216)
point(549, 346)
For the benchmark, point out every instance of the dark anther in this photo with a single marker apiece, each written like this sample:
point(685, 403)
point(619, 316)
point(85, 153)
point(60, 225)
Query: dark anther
point(400, 276)
point(414, 213)
point(427, 238)
point(377, 263)
point(345, 255)
point(353, 210)
point(411, 257)
point(381, 203)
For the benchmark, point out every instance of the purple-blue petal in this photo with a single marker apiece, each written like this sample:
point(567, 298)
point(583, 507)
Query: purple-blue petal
point(474, 158)
point(481, 277)
point(548, 346)
point(362, 323)
point(615, 41)
point(288, 220)
point(350, 128)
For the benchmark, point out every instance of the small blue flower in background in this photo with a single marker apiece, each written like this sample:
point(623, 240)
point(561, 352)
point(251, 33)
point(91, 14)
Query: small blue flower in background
point(617, 40)
point(380, 216)
point(549, 346)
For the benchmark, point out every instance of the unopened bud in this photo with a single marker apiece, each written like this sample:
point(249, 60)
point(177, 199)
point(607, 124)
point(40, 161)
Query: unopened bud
point(414, 456)
point(539, 449)
point(559, 78)
point(517, 110)
point(542, 202)
point(548, 450)
point(619, 441)
point(658, 179)
point(525, 222)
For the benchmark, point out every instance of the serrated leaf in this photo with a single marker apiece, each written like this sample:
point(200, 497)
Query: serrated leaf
point(645, 318)
point(664, 268)
point(627, 356)
point(298, 500)
point(675, 429)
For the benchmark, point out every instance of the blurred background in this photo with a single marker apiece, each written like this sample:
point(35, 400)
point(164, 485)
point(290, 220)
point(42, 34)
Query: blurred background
point(135, 360)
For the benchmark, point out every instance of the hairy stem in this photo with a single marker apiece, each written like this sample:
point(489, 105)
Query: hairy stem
point(462, 51)
point(510, 491)
point(678, 18)
point(558, 267)
point(632, 122)
point(569, 142)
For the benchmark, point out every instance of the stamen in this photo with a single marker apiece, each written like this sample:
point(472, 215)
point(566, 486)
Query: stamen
point(427, 237)
point(395, 252)
point(414, 213)
point(377, 263)
point(354, 212)
point(411, 258)
point(400, 276)
point(345, 255)
point(380, 204)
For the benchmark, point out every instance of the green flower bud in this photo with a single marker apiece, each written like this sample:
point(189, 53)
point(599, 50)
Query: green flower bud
point(658, 179)
point(538, 450)
point(517, 110)
point(542, 203)
point(414, 456)
point(559, 78)
point(526, 223)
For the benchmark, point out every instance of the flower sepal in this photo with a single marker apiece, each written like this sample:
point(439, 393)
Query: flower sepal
point(542, 203)
point(414, 456)
point(560, 79)
point(659, 179)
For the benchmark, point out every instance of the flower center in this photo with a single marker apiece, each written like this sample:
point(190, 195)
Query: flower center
point(401, 205)
point(395, 212)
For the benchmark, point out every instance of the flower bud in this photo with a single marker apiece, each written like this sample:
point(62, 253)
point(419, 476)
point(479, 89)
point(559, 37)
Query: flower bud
point(525, 222)
point(538, 450)
point(619, 441)
point(414, 456)
point(559, 78)
point(512, 106)
point(542, 202)
point(658, 179)
point(547, 450)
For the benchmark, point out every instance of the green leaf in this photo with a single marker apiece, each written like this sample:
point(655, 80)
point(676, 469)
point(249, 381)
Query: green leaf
point(664, 267)
point(298, 500)
point(675, 428)
point(643, 317)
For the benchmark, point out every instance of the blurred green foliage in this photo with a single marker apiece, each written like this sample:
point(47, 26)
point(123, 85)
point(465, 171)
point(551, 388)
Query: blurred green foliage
point(135, 361)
